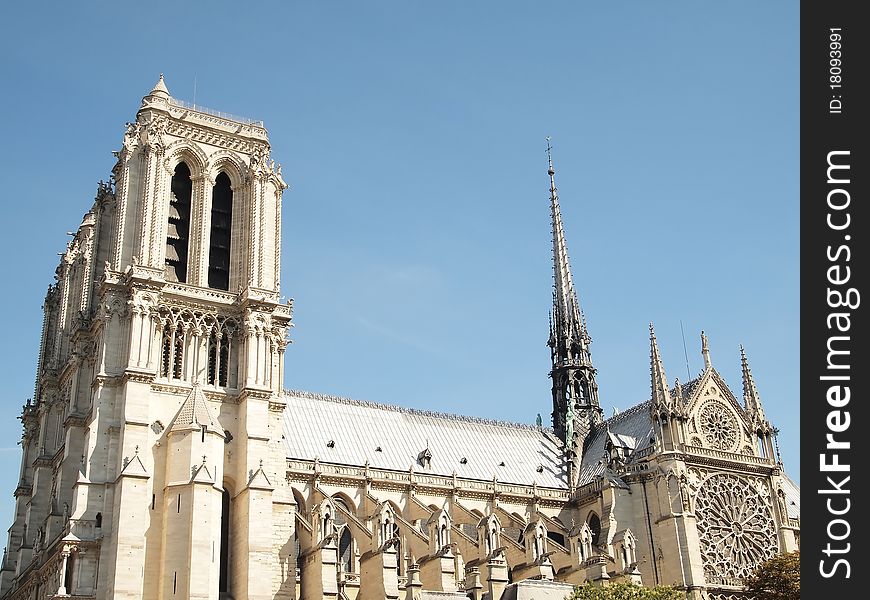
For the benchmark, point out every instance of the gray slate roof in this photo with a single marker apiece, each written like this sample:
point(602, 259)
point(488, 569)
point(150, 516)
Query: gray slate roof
point(358, 428)
point(631, 428)
point(792, 497)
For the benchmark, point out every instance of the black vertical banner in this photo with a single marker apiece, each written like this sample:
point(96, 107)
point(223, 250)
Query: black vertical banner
point(835, 225)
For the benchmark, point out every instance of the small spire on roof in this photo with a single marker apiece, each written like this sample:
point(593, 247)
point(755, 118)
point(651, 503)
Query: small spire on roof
point(705, 350)
point(751, 399)
point(661, 396)
point(160, 88)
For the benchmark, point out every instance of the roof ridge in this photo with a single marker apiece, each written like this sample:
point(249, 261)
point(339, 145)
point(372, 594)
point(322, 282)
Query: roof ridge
point(628, 411)
point(412, 411)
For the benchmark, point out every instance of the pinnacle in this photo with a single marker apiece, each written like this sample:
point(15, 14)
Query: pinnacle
point(160, 88)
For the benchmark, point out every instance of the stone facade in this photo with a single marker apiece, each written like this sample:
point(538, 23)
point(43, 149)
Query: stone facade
point(161, 457)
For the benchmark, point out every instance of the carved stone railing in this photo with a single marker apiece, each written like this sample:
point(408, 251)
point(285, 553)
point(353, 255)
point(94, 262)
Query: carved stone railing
point(201, 293)
point(636, 468)
point(406, 478)
point(731, 582)
point(645, 452)
point(729, 456)
point(214, 113)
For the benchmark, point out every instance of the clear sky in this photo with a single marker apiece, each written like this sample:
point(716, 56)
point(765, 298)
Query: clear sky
point(416, 233)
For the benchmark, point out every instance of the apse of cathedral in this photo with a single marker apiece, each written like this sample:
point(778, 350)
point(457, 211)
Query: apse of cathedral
point(162, 457)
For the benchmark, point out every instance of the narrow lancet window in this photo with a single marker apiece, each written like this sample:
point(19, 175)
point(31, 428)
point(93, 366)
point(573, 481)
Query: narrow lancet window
point(172, 352)
point(220, 344)
point(221, 223)
point(178, 228)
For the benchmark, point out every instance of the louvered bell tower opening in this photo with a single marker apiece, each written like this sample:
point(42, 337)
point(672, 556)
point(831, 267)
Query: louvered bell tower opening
point(178, 229)
point(221, 222)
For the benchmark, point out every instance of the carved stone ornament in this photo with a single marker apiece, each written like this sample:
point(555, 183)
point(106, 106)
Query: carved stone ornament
point(718, 425)
point(735, 527)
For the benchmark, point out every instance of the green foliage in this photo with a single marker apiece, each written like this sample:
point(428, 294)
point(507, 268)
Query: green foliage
point(778, 578)
point(625, 591)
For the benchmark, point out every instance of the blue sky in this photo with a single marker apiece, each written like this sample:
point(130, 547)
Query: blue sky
point(416, 238)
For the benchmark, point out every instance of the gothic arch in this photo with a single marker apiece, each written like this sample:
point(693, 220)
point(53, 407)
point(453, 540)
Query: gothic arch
point(300, 501)
point(594, 522)
point(345, 501)
point(184, 151)
point(227, 162)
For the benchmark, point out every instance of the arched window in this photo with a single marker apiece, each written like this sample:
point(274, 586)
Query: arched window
point(221, 227)
point(172, 350)
point(345, 539)
point(222, 357)
point(178, 228)
point(595, 528)
point(762, 449)
point(345, 550)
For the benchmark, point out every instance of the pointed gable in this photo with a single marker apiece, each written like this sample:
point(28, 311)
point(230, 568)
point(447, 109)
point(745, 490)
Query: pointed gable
point(716, 418)
point(134, 467)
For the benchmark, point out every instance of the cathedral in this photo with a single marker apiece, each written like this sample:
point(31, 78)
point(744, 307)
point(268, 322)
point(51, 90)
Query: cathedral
point(162, 457)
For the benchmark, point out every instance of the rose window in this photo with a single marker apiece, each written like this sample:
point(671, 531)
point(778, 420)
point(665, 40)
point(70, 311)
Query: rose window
point(718, 426)
point(735, 527)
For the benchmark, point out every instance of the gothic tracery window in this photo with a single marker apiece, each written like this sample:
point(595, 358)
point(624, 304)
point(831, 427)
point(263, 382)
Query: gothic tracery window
point(735, 526)
point(718, 425)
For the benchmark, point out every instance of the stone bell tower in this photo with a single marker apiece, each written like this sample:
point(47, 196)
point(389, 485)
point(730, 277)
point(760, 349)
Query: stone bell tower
point(152, 457)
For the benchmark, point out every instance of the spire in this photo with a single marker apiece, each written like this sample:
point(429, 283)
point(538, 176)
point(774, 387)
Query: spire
point(568, 319)
point(661, 397)
point(705, 350)
point(751, 399)
point(576, 411)
point(160, 88)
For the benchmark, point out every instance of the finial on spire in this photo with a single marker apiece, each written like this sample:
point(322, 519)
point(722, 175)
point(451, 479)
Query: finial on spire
point(160, 88)
point(705, 350)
